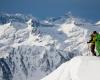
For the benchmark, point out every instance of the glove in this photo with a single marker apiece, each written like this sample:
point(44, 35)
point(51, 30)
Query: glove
point(88, 42)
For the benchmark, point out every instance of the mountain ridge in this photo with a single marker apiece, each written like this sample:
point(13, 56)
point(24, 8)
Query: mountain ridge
point(39, 47)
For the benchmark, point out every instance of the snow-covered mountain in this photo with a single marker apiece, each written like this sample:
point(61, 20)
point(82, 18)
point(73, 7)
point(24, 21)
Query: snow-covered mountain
point(79, 68)
point(33, 48)
point(98, 23)
point(20, 18)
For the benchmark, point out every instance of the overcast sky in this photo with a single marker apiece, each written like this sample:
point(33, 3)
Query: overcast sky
point(89, 9)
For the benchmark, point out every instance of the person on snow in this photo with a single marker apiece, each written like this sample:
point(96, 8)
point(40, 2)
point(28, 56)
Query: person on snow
point(93, 41)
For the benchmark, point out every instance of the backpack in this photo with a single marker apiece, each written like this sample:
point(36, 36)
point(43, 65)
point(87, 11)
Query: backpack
point(97, 43)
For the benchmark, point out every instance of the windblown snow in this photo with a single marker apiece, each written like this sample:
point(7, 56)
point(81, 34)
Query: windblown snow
point(30, 49)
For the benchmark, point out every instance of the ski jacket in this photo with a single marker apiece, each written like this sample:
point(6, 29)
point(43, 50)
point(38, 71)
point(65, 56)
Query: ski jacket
point(92, 39)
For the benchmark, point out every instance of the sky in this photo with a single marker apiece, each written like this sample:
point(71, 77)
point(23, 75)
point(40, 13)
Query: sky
point(88, 9)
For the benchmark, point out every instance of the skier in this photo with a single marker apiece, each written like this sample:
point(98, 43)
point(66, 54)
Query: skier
point(93, 42)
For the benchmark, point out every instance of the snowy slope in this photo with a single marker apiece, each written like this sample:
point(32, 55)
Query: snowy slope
point(36, 48)
point(98, 23)
point(79, 68)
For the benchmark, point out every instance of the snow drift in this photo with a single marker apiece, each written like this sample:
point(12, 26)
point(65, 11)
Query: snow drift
point(79, 68)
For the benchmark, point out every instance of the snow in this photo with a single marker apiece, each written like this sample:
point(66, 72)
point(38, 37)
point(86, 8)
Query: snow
point(32, 52)
point(98, 23)
point(79, 68)
point(4, 55)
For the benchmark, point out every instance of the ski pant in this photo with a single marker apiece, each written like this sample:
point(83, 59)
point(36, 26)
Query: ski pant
point(93, 49)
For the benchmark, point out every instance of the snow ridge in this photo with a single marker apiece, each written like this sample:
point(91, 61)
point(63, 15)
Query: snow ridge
point(79, 68)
